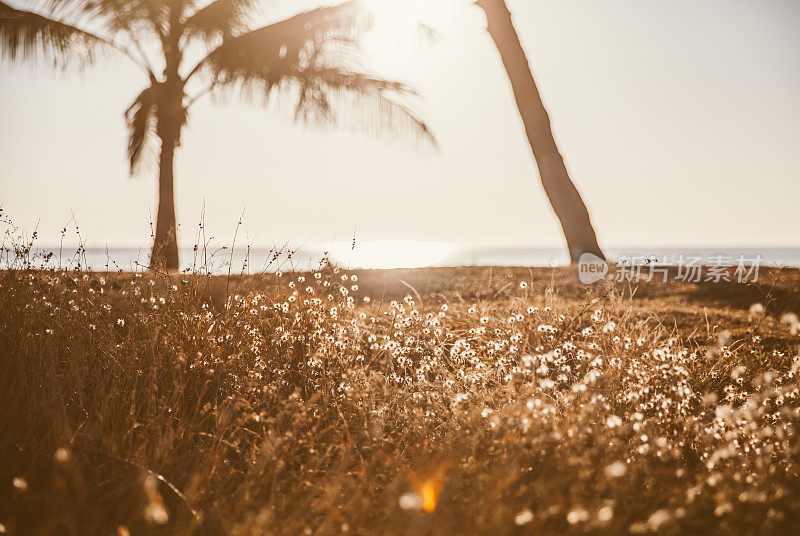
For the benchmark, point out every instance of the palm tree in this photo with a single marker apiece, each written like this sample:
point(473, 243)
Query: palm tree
point(309, 60)
point(561, 191)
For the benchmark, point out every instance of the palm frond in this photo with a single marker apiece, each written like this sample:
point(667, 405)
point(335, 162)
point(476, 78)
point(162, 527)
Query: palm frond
point(137, 19)
point(312, 59)
point(219, 19)
point(28, 36)
point(357, 102)
point(141, 121)
point(271, 52)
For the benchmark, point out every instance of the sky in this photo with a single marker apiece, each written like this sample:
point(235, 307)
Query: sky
point(679, 121)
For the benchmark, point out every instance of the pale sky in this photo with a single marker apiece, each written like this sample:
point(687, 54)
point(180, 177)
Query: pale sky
point(679, 121)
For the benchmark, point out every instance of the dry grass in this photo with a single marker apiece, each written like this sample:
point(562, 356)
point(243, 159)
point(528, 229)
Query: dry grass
point(455, 401)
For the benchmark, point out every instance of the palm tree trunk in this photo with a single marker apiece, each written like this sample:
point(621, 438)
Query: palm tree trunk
point(170, 118)
point(165, 244)
point(562, 193)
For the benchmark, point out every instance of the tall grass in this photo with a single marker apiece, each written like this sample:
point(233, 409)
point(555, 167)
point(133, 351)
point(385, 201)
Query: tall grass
point(304, 404)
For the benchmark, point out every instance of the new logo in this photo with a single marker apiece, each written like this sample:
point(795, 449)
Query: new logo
point(591, 268)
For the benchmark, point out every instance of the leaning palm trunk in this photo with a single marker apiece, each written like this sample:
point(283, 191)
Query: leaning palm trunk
point(560, 190)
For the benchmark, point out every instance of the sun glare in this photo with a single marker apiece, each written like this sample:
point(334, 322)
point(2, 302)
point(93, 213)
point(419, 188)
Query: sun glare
point(391, 254)
point(406, 10)
point(402, 26)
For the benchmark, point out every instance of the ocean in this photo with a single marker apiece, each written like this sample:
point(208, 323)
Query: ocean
point(388, 254)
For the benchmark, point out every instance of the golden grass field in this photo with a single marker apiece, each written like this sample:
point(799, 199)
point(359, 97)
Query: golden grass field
point(430, 401)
